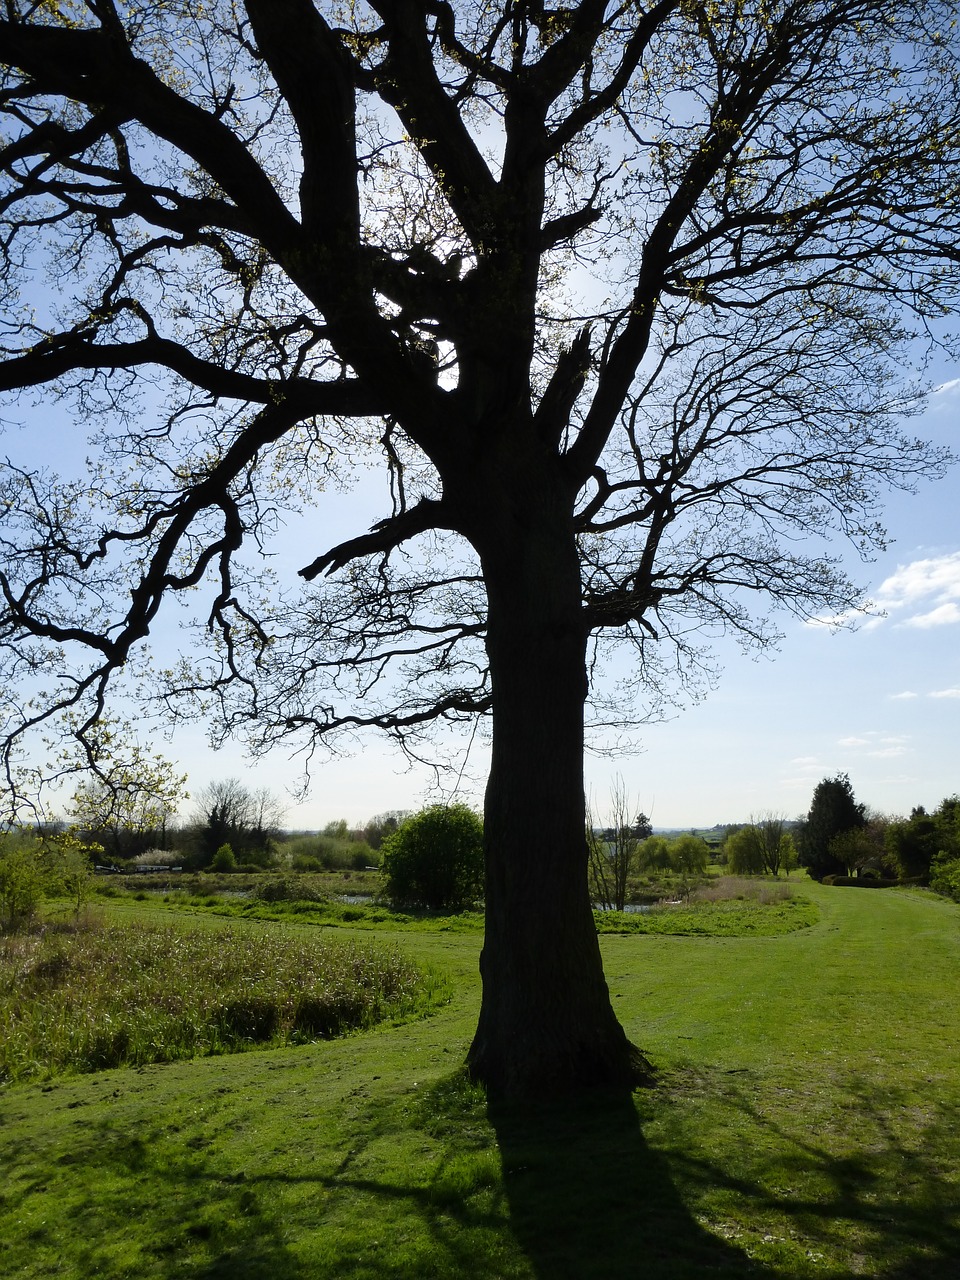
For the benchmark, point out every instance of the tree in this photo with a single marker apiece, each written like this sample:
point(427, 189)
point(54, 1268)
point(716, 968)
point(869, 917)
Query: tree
point(612, 854)
point(435, 859)
point(231, 814)
point(744, 851)
point(689, 854)
point(914, 844)
point(654, 854)
point(833, 812)
point(131, 797)
point(281, 233)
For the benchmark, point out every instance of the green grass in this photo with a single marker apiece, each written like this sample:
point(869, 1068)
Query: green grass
point(730, 919)
point(95, 996)
point(805, 1123)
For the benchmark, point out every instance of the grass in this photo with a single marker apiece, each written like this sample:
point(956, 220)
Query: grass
point(93, 996)
point(729, 908)
point(805, 1123)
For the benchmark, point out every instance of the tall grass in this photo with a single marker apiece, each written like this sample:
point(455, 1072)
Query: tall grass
point(89, 998)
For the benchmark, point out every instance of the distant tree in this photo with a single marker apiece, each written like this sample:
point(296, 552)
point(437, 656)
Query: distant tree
point(743, 849)
point(435, 858)
point(654, 854)
point(612, 854)
point(642, 827)
point(833, 811)
point(383, 825)
point(689, 854)
point(128, 794)
point(231, 814)
point(914, 844)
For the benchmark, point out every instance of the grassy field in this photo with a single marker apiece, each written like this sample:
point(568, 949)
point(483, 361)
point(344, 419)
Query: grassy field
point(806, 1123)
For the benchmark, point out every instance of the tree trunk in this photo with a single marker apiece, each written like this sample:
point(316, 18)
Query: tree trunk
point(546, 1021)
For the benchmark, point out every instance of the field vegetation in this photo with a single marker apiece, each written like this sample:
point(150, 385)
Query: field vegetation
point(804, 1123)
point(89, 995)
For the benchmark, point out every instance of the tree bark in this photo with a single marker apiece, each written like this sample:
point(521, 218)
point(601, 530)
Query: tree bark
point(546, 1022)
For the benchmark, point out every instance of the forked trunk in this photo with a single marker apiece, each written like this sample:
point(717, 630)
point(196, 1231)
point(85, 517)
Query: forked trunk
point(546, 1022)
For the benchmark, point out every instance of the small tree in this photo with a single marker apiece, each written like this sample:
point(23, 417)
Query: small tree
point(224, 859)
point(435, 858)
point(612, 856)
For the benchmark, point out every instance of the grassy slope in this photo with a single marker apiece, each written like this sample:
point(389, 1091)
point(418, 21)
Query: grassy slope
point(806, 1124)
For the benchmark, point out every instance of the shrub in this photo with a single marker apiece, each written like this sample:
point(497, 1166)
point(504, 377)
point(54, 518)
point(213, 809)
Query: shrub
point(435, 859)
point(945, 876)
point(224, 859)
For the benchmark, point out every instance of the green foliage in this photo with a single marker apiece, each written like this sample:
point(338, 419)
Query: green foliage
point(689, 855)
point(761, 847)
point(833, 811)
point(87, 999)
point(945, 876)
point(24, 880)
point(224, 859)
point(327, 853)
point(33, 868)
point(654, 854)
point(435, 859)
point(915, 845)
point(735, 918)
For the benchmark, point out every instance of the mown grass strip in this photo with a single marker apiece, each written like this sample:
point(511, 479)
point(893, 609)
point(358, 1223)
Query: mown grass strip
point(90, 998)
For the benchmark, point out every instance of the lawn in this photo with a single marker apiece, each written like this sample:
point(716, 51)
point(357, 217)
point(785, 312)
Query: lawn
point(805, 1123)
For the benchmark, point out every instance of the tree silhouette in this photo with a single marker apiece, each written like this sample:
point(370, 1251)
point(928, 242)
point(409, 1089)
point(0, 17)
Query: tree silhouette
point(614, 293)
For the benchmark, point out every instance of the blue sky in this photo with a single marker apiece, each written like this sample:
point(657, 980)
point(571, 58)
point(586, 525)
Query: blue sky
point(880, 702)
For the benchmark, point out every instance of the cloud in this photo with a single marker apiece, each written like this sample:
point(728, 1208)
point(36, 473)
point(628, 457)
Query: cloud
point(932, 582)
point(887, 753)
point(900, 697)
point(805, 762)
point(853, 742)
point(945, 693)
point(946, 387)
point(944, 615)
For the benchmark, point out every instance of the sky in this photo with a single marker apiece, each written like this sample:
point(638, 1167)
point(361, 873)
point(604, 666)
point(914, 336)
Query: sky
point(880, 702)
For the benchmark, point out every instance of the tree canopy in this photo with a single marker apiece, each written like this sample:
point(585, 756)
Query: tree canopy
point(614, 293)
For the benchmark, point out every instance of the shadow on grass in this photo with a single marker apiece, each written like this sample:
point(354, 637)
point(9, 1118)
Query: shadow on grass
point(588, 1198)
point(868, 1178)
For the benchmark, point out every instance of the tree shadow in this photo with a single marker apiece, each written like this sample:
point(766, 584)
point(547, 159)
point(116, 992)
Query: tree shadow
point(588, 1197)
point(874, 1178)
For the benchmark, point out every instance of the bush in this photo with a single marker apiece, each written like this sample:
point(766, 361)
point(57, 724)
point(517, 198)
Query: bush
point(860, 882)
point(435, 859)
point(945, 876)
point(224, 859)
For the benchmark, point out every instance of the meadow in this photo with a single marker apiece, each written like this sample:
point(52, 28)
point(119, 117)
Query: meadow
point(805, 1122)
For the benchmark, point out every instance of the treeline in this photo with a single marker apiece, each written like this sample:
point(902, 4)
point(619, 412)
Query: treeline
point(841, 838)
point(233, 827)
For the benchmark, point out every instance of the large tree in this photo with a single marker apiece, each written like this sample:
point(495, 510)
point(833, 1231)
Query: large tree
point(614, 291)
point(834, 812)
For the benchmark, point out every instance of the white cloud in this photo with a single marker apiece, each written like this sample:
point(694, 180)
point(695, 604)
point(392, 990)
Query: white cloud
point(887, 753)
point(900, 697)
point(946, 387)
point(853, 742)
point(943, 616)
point(934, 582)
point(805, 762)
point(945, 693)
